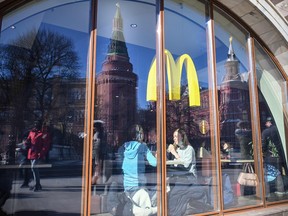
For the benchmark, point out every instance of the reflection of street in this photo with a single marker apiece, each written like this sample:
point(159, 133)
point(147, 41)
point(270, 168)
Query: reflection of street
point(60, 195)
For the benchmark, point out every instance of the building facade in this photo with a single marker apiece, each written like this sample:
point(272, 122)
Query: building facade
point(216, 69)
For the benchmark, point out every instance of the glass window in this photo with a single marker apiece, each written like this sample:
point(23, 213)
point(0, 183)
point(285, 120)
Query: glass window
point(125, 49)
point(49, 151)
point(272, 93)
point(43, 50)
point(190, 150)
point(236, 145)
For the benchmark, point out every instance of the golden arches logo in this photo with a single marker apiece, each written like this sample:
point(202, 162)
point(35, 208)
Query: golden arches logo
point(174, 73)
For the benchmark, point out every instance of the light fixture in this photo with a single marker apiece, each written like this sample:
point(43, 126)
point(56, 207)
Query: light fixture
point(133, 25)
point(13, 27)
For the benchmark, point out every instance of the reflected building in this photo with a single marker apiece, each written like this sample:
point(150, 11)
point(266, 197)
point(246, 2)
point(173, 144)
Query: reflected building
point(233, 95)
point(116, 87)
point(234, 98)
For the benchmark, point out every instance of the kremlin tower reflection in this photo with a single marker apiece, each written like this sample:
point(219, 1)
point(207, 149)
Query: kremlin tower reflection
point(116, 87)
point(116, 100)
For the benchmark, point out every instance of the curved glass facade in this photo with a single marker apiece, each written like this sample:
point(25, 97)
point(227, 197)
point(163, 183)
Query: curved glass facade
point(163, 105)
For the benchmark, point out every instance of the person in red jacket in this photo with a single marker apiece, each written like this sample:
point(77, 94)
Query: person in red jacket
point(38, 143)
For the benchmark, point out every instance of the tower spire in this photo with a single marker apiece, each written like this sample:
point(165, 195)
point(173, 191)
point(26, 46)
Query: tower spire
point(117, 44)
point(231, 65)
point(231, 54)
point(118, 21)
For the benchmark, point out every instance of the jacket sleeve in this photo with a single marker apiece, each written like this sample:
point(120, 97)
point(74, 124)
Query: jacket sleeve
point(150, 157)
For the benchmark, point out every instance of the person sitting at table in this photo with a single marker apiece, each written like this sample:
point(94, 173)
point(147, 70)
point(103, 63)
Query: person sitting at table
point(183, 152)
point(184, 194)
point(133, 154)
point(226, 150)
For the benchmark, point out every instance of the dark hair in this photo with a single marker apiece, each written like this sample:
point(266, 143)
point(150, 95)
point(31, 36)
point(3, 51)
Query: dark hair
point(136, 133)
point(183, 135)
point(38, 124)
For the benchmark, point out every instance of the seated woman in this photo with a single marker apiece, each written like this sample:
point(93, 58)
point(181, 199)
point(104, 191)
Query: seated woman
point(183, 152)
point(184, 194)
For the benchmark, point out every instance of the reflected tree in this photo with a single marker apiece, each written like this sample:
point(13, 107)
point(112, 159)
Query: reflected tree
point(29, 66)
point(147, 117)
point(180, 115)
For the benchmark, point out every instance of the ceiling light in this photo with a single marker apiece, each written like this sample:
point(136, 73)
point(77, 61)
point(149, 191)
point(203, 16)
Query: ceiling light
point(133, 25)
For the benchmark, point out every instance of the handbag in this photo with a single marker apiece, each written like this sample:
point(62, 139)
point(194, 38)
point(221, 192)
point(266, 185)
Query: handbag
point(247, 177)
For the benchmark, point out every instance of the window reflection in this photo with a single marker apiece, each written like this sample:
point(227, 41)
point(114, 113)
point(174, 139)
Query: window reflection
point(236, 145)
point(189, 169)
point(42, 79)
point(129, 121)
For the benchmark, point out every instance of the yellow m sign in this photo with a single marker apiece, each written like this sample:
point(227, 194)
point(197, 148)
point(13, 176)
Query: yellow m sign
point(174, 73)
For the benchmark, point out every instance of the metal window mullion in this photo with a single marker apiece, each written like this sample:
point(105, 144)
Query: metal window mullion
point(213, 108)
point(89, 117)
point(255, 115)
point(161, 111)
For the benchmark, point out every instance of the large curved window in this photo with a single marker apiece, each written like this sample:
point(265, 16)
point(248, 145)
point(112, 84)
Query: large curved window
point(163, 105)
point(125, 49)
point(44, 49)
point(235, 120)
point(188, 125)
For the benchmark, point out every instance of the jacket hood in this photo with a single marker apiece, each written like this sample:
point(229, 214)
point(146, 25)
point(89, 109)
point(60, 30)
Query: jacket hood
point(131, 149)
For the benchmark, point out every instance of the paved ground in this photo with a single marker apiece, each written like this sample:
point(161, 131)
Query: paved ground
point(60, 196)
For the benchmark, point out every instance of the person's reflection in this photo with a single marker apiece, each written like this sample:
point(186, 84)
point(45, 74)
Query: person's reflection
point(23, 160)
point(271, 143)
point(38, 145)
point(244, 136)
point(273, 159)
point(99, 151)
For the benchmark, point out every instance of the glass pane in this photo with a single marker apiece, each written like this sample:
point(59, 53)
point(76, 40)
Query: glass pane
point(234, 113)
point(191, 188)
point(125, 49)
point(44, 50)
point(272, 93)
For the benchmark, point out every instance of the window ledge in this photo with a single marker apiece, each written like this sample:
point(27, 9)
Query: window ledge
point(279, 210)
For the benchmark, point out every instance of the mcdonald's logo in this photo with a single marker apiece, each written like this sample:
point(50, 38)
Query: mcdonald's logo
point(174, 73)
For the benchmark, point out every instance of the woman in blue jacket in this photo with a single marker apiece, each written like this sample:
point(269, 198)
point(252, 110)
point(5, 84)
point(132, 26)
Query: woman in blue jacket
point(133, 155)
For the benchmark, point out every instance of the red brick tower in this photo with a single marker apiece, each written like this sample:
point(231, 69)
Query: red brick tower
point(234, 98)
point(116, 87)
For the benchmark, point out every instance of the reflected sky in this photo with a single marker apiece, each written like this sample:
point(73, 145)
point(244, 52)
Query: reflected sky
point(188, 22)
